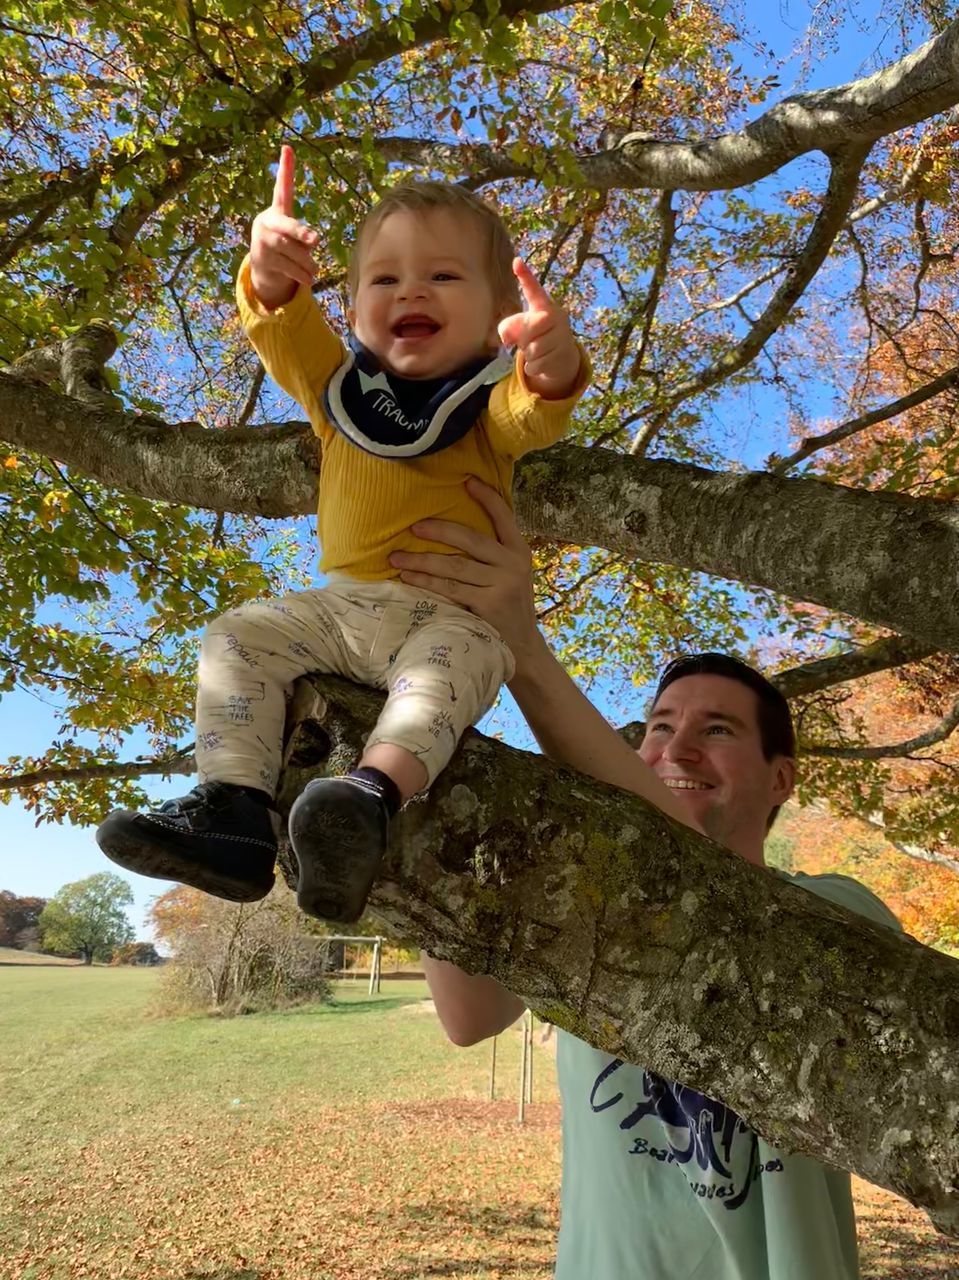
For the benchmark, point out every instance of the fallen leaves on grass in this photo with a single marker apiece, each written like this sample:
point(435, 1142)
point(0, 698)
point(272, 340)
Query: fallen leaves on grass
point(379, 1192)
point(898, 1242)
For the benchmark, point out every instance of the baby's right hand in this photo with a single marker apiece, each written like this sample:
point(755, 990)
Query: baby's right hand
point(281, 255)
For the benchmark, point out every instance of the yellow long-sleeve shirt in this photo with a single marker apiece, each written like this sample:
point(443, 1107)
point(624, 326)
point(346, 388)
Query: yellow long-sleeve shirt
point(367, 503)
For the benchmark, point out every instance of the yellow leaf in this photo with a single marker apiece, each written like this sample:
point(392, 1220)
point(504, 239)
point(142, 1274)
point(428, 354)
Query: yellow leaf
point(11, 463)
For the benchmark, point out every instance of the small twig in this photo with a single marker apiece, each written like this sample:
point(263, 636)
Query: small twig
point(667, 238)
point(181, 761)
point(846, 167)
point(246, 413)
point(812, 444)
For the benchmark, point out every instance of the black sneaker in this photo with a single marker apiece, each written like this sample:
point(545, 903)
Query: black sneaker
point(217, 839)
point(338, 832)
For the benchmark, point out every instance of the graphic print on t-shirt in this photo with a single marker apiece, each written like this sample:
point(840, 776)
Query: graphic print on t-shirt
point(670, 1123)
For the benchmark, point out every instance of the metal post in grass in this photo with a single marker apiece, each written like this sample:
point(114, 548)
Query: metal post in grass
point(375, 966)
point(492, 1072)
point(528, 1031)
point(522, 1071)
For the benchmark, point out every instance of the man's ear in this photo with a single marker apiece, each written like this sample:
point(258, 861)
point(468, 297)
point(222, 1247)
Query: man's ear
point(784, 780)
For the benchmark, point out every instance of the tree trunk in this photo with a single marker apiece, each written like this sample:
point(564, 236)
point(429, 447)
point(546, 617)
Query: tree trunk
point(830, 1035)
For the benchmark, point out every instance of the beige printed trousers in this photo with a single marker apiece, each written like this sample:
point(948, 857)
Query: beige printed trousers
point(441, 665)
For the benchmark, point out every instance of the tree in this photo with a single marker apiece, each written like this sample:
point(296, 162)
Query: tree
point(138, 953)
point(642, 171)
point(17, 915)
point(87, 917)
point(237, 957)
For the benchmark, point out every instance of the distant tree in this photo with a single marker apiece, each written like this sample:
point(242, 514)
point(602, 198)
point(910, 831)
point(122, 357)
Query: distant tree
point(17, 917)
point(139, 953)
point(87, 918)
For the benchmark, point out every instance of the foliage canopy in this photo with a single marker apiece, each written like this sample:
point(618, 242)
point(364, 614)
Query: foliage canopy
point(734, 307)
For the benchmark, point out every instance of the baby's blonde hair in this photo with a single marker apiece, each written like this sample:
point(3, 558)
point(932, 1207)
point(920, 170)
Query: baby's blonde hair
point(422, 196)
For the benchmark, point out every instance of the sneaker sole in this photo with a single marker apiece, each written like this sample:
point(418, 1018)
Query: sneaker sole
point(136, 852)
point(338, 853)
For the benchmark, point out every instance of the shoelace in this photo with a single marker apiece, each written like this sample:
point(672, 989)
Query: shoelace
point(200, 795)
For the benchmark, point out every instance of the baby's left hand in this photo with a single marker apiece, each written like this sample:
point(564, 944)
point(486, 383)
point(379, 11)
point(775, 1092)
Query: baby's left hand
point(550, 355)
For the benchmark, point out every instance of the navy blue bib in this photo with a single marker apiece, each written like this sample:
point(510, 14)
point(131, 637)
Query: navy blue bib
point(397, 417)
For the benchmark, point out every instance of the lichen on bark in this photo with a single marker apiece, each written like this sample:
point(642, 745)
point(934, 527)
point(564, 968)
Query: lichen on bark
point(829, 1034)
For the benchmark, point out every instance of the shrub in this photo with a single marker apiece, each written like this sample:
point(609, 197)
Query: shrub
point(231, 958)
point(142, 953)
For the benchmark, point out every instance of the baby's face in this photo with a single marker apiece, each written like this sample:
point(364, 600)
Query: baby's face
point(424, 304)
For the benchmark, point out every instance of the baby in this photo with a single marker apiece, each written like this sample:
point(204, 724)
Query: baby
point(422, 398)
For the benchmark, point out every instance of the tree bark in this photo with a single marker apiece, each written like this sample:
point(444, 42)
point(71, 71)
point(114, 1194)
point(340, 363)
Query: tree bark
point(830, 1035)
point(882, 557)
point(917, 87)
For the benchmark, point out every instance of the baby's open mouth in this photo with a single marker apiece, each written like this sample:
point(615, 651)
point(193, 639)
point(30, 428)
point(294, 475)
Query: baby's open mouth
point(415, 328)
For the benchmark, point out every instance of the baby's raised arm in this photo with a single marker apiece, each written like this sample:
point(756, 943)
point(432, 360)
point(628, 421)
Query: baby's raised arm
point(281, 248)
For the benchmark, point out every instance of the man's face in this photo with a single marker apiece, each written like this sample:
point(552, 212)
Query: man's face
point(703, 740)
point(424, 303)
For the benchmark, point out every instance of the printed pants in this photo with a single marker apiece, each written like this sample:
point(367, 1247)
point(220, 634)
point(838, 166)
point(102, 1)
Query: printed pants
point(441, 665)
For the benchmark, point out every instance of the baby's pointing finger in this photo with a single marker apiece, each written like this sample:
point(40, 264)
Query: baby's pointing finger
point(283, 186)
point(534, 293)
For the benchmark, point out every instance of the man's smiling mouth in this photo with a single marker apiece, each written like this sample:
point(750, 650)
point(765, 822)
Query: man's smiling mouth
point(687, 784)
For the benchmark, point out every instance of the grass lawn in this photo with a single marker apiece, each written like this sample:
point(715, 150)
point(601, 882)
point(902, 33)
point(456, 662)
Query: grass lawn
point(10, 955)
point(349, 1142)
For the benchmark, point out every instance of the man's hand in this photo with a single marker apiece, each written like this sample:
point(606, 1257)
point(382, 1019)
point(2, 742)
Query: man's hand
point(493, 579)
point(550, 355)
point(281, 248)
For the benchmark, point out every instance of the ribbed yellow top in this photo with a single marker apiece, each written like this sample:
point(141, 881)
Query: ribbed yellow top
point(368, 503)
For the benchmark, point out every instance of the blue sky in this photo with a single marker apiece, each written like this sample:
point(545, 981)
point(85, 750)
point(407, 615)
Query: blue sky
point(40, 860)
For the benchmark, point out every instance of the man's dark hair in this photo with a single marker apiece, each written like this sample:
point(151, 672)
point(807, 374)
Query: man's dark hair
point(776, 733)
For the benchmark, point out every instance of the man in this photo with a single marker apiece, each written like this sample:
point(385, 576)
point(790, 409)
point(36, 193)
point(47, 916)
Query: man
point(659, 1181)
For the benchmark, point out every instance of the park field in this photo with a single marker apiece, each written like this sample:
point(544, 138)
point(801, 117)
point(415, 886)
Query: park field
point(342, 1142)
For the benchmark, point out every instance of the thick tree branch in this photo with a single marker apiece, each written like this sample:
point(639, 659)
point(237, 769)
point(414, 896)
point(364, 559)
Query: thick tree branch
point(856, 114)
point(266, 471)
point(944, 729)
point(828, 1034)
point(812, 444)
point(882, 557)
point(824, 673)
point(912, 850)
point(851, 550)
point(921, 85)
point(77, 363)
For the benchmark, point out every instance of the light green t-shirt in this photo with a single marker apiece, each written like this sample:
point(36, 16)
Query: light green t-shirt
point(662, 1183)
